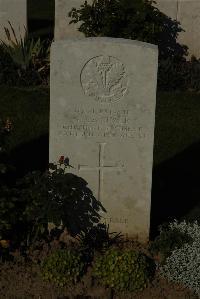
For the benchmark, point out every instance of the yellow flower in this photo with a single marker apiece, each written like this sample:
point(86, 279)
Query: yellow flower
point(4, 243)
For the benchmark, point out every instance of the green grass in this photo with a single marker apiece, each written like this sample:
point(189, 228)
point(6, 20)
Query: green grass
point(177, 118)
point(28, 108)
point(177, 129)
point(177, 123)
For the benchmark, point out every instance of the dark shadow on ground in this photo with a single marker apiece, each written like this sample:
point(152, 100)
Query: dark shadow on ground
point(176, 188)
point(31, 156)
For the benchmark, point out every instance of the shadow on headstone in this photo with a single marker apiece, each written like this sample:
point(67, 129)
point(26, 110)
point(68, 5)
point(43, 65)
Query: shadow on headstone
point(175, 182)
point(79, 207)
point(176, 189)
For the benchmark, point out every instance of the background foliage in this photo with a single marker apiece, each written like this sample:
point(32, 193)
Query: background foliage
point(128, 19)
point(140, 20)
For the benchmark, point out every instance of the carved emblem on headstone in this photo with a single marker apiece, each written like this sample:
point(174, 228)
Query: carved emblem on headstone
point(104, 78)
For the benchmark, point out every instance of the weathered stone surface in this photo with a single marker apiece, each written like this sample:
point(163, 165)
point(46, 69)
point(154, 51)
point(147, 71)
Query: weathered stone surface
point(102, 112)
point(14, 11)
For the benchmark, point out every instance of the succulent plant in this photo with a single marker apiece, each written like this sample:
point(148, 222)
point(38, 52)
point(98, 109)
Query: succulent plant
point(123, 270)
point(183, 265)
point(63, 267)
point(169, 239)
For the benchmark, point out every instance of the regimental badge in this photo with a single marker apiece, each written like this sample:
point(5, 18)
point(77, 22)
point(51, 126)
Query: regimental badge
point(104, 78)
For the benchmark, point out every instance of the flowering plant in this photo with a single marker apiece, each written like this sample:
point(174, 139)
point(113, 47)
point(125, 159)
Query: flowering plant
point(54, 196)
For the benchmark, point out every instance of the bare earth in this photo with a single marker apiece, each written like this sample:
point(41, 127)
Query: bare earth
point(24, 281)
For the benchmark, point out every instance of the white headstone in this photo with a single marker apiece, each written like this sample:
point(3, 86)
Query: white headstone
point(14, 11)
point(102, 113)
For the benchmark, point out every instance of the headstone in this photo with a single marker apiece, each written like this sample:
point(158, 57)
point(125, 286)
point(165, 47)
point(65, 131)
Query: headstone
point(14, 11)
point(62, 28)
point(102, 113)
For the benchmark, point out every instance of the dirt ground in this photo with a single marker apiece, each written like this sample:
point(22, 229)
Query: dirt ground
point(22, 280)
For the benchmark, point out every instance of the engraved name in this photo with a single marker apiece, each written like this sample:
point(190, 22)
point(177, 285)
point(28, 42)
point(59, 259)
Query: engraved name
point(116, 220)
point(101, 123)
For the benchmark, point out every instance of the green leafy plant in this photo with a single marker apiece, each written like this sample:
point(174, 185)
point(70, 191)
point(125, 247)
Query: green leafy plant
point(23, 50)
point(168, 240)
point(98, 238)
point(140, 20)
point(51, 197)
point(129, 19)
point(124, 270)
point(29, 58)
point(63, 267)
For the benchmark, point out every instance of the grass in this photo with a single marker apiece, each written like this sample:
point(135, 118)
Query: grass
point(177, 123)
point(28, 108)
point(177, 118)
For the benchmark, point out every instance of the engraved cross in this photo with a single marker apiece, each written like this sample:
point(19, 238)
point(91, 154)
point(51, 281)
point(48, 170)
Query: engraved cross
point(101, 167)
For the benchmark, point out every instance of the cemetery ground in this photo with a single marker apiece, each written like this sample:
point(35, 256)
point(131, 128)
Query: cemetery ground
point(175, 190)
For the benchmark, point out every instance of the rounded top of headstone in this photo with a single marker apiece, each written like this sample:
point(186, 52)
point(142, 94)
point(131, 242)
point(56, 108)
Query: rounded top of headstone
point(108, 40)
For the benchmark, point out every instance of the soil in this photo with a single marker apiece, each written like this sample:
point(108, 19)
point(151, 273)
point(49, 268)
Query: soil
point(23, 280)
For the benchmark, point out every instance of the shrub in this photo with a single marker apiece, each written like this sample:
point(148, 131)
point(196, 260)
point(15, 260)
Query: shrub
point(124, 271)
point(140, 20)
point(98, 238)
point(63, 267)
point(27, 60)
point(168, 240)
point(51, 197)
point(183, 265)
point(131, 20)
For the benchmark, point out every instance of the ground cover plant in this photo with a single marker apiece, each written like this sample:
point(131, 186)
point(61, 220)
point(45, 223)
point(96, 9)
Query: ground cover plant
point(63, 267)
point(183, 264)
point(123, 271)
